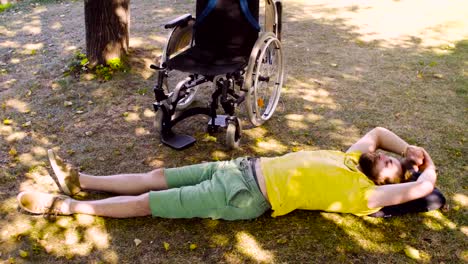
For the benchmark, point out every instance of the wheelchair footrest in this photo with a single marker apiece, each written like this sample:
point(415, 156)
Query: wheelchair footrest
point(220, 121)
point(178, 141)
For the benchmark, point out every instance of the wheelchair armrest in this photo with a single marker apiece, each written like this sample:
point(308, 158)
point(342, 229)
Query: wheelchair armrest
point(178, 21)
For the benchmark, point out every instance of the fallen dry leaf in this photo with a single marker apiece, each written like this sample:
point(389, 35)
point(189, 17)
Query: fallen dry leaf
point(166, 245)
point(13, 152)
point(137, 242)
point(23, 254)
point(193, 246)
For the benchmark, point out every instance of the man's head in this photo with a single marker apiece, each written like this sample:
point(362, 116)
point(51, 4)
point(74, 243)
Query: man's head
point(382, 169)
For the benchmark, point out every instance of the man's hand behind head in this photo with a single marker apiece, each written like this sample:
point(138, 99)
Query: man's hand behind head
point(415, 155)
point(427, 161)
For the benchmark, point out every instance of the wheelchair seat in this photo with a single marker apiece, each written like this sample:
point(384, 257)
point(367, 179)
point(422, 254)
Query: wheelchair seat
point(206, 62)
point(223, 38)
point(223, 45)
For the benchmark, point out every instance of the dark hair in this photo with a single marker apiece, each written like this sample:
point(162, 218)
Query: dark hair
point(367, 164)
point(409, 174)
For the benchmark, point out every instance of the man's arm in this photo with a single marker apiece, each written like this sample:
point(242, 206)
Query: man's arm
point(380, 138)
point(393, 194)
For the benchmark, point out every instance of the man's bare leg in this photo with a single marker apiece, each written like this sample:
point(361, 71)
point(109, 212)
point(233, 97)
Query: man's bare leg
point(130, 184)
point(116, 207)
point(71, 181)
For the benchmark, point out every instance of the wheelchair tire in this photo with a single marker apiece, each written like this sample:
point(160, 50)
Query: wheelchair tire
point(157, 122)
point(233, 132)
point(264, 78)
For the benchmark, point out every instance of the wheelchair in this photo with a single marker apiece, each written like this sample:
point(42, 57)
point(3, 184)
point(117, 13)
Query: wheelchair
point(224, 47)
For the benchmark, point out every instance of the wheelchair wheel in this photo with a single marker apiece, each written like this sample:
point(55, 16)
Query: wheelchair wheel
point(185, 101)
point(233, 134)
point(264, 78)
point(157, 122)
point(189, 97)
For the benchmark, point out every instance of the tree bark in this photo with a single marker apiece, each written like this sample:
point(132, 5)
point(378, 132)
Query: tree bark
point(107, 30)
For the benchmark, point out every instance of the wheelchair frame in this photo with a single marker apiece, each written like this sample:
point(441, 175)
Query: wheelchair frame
point(225, 94)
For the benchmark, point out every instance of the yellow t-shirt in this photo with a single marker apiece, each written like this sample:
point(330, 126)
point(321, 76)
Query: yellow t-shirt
point(317, 180)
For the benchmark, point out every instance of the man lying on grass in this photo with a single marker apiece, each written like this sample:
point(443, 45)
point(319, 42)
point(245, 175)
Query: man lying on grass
point(360, 181)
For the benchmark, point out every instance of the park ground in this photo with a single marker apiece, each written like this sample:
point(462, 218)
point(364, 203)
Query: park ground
point(350, 66)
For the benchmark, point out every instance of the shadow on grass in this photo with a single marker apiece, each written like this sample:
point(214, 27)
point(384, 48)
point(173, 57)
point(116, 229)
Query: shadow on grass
point(330, 99)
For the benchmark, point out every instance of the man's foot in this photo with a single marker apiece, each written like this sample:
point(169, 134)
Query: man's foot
point(44, 203)
point(67, 176)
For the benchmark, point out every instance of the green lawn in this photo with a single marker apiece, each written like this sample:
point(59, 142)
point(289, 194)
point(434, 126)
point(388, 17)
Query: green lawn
point(350, 67)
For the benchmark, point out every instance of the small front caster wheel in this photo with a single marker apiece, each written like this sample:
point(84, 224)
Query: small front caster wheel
point(233, 134)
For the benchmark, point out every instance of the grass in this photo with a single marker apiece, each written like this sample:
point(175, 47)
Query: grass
point(4, 7)
point(342, 80)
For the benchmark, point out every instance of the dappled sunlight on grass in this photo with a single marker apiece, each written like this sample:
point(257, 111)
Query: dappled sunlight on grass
point(460, 199)
point(9, 44)
point(16, 136)
point(136, 42)
point(270, 145)
point(166, 11)
point(37, 179)
point(9, 33)
point(464, 230)
point(18, 105)
point(297, 121)
point(8, 205)
point(393, 23)
point(219, 240)
point(440, 221)
point(9, 83)
point(70, 48)
point(145, 71)
point(141, 131)
point(131, 117)
point(148, 113)
point(56, 25)
point(248, 245)
point(65, 237)
point(156, 163)
point(160, 39)
point(358, 232)
point(311, 91)
point(219, 155)
point(33, 27)
point(31, 48)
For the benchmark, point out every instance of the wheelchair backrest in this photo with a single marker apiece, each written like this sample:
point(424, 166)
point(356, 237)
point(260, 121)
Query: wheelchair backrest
point(227, 26)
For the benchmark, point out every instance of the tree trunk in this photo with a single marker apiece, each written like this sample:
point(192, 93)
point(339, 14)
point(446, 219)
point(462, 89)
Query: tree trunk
point(107, 30)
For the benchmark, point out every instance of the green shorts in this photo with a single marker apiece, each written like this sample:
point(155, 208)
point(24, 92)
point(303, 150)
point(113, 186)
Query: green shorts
point(225, 189)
